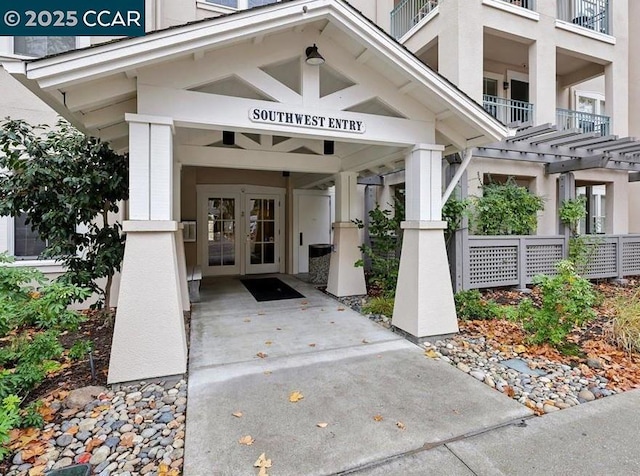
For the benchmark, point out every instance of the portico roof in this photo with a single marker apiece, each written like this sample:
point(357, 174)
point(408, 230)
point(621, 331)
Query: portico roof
point(95, 87)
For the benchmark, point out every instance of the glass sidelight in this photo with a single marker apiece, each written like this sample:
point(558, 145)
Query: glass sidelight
point(262, 230)
point(221, 231)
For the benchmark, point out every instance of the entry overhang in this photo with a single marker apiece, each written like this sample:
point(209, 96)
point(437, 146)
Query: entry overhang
point(110, 69)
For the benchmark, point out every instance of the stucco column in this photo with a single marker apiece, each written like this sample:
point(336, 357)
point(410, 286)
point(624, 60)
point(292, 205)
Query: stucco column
point(345, 279)
point(424, 296)
point(149, 337)
point(616, 76)
point(542, 81)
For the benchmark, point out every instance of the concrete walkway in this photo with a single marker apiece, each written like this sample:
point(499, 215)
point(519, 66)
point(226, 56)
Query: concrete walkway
point(381, 398)
point(600, 437)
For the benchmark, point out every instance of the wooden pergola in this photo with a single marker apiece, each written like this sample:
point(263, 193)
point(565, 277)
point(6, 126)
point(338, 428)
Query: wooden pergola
point(567, 150)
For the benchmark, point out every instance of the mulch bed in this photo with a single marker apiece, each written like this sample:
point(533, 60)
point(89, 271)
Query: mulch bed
point(77, 373)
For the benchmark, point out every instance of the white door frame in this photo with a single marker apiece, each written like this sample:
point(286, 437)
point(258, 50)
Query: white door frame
point(239, 192)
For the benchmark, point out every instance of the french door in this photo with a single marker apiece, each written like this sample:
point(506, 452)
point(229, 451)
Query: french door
point(263, 234)
point(239, 231)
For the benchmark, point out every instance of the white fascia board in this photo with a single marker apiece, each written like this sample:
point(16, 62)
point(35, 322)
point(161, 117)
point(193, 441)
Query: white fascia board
point(122, 56)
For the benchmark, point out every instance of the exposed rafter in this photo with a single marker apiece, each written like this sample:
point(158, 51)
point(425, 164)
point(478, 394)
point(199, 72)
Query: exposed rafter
point(566, 150)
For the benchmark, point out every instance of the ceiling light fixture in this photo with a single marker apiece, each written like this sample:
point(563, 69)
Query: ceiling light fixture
point(313, 57)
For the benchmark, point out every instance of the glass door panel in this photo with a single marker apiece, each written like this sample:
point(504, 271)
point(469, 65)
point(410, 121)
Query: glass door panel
point(221, 240)
point(263, 231)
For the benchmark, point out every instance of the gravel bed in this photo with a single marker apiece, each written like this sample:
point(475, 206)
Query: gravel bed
point(540, 384)
point(126, 431)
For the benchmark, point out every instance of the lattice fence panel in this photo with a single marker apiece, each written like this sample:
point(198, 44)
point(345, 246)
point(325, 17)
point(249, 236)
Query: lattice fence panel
point(603, 263)
point(631, 258)
point(543, 259)
point(493, 266)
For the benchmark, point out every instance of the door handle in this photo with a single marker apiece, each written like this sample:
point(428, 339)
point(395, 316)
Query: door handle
point(301, 239)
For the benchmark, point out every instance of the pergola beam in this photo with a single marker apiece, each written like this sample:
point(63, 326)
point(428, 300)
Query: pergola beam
point(595, 162)
point(531, 132)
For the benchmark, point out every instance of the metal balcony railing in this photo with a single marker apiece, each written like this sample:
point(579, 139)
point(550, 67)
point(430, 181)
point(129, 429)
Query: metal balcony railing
point(592, 14)
point(408, 13)
point(586, 122)
point(528, 4)
point(508, 111)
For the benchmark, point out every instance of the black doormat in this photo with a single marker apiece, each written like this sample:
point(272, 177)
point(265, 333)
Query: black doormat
point(270, 289)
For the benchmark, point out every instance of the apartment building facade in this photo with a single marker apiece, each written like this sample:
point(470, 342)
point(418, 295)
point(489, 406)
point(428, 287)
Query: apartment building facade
point(569, 63)
point(207, 111)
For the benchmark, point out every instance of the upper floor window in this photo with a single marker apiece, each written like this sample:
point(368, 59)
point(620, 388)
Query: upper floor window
point(39, 46)
point(242, 4)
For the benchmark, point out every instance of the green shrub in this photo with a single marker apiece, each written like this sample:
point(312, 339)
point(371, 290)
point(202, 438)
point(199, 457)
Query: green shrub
point(626, 323)
point(471, 305)
point(506, 209)
point(567, 301)
point(379, 305)
point(33, 315)
point(386, 241)
point(9, 419)
point(80, 349)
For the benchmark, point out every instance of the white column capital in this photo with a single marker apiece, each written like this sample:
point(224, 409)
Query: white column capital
point(428, 147)
point(150, 119)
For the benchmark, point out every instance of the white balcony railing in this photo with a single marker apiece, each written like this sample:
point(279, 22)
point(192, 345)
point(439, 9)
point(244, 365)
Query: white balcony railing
point(591, 14)
point(528, 4)
point(584, 121)
point(508, 111)
point(408, 13)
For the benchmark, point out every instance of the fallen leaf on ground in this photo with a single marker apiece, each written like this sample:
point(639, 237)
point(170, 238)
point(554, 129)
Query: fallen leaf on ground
point(365, 341)
point(312, 345)
point(37, 470)
point(246, 440)
point(247, 320)
point(268, 342)
point(237, 414)
point(261, 313)
point(33, 451)
point(519, 349)
point(509, 391)
point(303, 308)
point(263, 463)
point(295, 397)
point(127, 441)
point(278, 328)
point(262, 355)
point(304, 303)
point(92, 444)
point(83, 458)
point(267, 372)
point(322, 425)
point(432, 354)
point(401, 425)
point(341, 309)
point(73, 430)
point(378, 417)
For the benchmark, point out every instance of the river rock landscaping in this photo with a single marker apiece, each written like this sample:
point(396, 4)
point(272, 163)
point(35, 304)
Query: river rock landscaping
point(498, 353)
point(135, 429)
